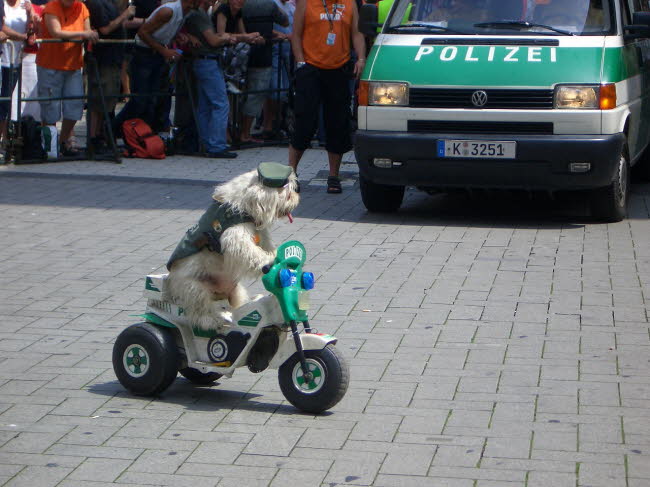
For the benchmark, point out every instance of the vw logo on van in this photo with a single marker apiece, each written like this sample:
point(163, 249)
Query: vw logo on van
point(479, 98)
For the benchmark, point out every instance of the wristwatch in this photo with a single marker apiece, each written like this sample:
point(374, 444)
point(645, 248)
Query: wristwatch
point(300, 64)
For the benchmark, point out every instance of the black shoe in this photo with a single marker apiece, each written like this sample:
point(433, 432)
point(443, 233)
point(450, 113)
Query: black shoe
point(68, 151)
point(224, 154)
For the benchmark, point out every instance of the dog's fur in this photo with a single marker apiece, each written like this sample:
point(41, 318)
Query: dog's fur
point(197, 281)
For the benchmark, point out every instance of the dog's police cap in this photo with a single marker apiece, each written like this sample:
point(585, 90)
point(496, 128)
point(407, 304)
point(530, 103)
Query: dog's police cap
point(273, 175)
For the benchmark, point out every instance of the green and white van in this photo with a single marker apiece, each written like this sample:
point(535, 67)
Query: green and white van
point(516, 94)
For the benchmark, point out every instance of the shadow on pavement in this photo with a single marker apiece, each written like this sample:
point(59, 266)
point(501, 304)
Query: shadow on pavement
point(500, 209)
point(193, 398)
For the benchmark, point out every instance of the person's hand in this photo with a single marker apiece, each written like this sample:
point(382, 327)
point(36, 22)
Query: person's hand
point(358, 67)
point(171, 56)
point(91, 36)
point(259, 40)
point(3, 37)
point(129, 13)
point(182, 38)
point(232, 40)
point(193, 41)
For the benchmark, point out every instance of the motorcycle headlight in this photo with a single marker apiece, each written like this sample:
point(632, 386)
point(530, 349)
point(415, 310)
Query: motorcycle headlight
point(388, 94)
point(287, 277)
point(307, 280)
point(577, 97)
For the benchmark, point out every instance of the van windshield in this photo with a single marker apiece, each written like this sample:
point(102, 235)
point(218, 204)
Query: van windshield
point(501, 17)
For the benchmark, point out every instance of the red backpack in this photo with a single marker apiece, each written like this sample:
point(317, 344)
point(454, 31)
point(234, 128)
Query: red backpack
point(141, 141)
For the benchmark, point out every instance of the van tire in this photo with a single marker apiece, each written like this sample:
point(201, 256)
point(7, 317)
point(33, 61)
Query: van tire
point(609, 204)
point(380, 198)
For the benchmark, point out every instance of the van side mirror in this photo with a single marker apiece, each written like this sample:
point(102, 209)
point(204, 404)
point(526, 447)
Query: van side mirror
point(641, 18)
point(640, 27)
point(368, 16)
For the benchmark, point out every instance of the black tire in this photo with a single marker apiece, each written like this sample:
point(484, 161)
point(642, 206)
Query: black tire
point(198, 377)
point(327, 392)
point(156, 365)
point(609, 204)
point(380, 198)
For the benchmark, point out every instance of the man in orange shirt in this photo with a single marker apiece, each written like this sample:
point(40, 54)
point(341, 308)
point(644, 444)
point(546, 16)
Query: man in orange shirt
point(59, 65)
point(322, 31)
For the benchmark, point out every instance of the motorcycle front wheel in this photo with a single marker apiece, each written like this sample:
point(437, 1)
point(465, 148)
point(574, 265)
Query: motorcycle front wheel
point(331, 376)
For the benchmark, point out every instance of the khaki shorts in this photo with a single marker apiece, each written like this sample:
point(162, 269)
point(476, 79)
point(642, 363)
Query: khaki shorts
point(111, 84)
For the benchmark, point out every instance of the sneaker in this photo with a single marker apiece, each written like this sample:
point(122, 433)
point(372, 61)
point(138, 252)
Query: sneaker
point(224, 154)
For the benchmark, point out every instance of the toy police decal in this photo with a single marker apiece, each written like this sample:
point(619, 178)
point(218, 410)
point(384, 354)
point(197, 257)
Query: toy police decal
point(218, 348)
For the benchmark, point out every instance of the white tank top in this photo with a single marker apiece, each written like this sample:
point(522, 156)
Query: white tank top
point(166, 33)
point(16, 19)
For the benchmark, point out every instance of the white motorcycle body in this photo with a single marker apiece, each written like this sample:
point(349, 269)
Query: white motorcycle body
point(249, 320)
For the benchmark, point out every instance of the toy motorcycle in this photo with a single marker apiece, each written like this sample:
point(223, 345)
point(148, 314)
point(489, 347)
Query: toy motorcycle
point(263, 333)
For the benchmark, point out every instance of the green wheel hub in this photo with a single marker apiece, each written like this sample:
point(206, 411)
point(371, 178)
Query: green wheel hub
point(316, 383)
point(135, 360)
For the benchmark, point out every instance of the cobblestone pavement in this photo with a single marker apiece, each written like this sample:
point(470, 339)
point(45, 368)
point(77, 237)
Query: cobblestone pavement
point(493, 341)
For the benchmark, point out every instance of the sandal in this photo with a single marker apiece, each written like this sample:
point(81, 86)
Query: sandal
point(334, 185)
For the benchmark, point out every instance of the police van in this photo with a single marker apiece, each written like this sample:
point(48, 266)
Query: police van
point(543, 95)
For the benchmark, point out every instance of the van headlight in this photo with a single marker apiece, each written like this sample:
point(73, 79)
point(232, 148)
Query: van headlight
point(388, 94)
point(592, 97)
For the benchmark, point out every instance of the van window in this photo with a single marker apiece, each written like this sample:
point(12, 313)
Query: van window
point(502, 17)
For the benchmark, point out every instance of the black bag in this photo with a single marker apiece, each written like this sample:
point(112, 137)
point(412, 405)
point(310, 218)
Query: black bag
point(32, 149)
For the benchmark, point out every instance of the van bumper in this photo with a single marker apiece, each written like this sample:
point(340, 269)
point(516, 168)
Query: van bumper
point(542, 161)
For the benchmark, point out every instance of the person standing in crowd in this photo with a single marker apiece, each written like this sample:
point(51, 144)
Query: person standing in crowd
point(322, 33)
point(59, 66)
point(280, 69)
point(212, 110)
point(149, 57)
point(259, 15)
point(105, 17)
point(228, 19)
point(18, 16)
point(143, 9)
point(28, 65)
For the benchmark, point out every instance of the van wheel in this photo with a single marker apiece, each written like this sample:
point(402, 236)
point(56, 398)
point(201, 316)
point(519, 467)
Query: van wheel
point(380, 197)
point(610, 203)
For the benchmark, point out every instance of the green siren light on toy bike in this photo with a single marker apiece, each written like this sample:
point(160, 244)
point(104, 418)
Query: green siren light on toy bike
point(287, 281)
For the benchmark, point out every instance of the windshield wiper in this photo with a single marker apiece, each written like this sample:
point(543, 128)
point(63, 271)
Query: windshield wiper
point(426, 28)
point(522, 24)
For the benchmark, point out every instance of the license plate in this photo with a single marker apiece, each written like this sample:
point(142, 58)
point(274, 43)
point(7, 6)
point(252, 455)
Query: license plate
point(477, 149)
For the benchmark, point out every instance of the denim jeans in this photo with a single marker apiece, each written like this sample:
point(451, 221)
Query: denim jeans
point(212, 110)
point(145, 70)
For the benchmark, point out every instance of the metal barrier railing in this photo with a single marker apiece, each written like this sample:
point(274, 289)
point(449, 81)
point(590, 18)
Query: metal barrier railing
point(15, 140)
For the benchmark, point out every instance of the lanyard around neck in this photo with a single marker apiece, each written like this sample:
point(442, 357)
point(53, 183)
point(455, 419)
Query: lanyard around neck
point(328, 15)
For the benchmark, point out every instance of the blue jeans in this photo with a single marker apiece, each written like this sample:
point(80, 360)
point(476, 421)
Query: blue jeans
point(212, 110)
point(145, 70)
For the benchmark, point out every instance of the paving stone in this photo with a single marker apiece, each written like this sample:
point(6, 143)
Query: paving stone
point(520, 337)
point(99, 469)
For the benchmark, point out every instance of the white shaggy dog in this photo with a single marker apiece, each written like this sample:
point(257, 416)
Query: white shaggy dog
point(232, 241)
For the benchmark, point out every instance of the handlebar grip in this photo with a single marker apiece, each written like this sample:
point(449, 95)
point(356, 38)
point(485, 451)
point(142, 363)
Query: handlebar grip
point(266, 269)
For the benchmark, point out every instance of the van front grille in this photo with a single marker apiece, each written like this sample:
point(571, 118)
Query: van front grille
point(496, 98)
point(505, 128)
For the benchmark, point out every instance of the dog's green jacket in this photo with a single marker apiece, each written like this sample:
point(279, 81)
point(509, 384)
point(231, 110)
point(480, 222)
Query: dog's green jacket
point(207, 232)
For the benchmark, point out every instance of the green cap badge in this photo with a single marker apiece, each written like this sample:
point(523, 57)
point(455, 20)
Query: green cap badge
point(273, 175)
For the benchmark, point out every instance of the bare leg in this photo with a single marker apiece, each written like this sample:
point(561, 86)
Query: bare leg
point(66, 131)
point(294, 158)
point(3, 131)
point(335, 163)
point(246, 125)
point(95, 123)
